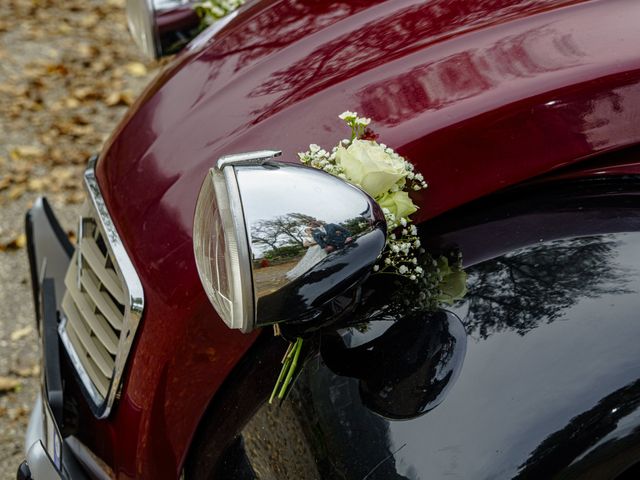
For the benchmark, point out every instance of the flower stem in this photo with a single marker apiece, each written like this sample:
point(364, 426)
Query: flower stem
point(297, 347)
point(289, 365)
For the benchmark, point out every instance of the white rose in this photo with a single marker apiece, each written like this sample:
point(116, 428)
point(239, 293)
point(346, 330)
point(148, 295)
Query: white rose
point(366, 164)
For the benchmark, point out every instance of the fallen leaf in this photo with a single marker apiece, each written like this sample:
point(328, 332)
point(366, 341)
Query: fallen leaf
point(37, 184)
point(119, 98)
point(136, 69)
point(19, 242)
point(85, 93)
point(23, 151)
point(21, 332)
point(8, 384)
point(71, 102)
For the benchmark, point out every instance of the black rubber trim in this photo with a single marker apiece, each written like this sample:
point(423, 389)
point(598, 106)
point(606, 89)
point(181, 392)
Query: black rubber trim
point(31, 249)
point(57, 229)
point(33, 268)
point(51, 350)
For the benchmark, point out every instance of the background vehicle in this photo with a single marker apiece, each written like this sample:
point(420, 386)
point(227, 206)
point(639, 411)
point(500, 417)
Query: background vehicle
point(481, 98)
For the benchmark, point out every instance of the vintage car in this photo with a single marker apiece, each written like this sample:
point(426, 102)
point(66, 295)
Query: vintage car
point(524, 117)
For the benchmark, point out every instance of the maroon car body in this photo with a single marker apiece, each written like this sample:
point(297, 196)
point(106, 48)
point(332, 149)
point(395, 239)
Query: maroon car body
point(479, 95)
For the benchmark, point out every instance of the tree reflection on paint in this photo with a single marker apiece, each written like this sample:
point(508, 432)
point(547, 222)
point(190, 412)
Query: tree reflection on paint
point(536, 284)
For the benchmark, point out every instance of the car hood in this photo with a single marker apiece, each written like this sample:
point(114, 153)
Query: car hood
point(479, 95)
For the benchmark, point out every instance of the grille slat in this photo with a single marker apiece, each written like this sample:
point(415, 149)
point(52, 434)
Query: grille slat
point(97, 326)
point(101, 301)
point(100, 381)
point(109, 278)
point(94, 348)
point(81, 301)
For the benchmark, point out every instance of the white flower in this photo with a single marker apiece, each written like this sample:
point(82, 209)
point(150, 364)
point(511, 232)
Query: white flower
point(387, 261)
point(412, 277)
point(402, 269)
point(418, 269)
point(370, 167)
point(376, 268)
point(346, 116)
point(416, 243)
point(313, 148)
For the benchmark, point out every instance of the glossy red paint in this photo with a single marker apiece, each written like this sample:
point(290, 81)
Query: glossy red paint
point(480, 95)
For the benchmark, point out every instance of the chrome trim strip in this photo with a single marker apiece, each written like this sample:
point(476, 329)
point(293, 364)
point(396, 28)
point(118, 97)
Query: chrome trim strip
point(133, 292)
point(251, 158)
point(242, 242)
point(89, 460)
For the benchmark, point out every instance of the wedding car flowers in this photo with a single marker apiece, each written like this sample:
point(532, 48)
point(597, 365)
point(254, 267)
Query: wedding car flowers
point(388, 178)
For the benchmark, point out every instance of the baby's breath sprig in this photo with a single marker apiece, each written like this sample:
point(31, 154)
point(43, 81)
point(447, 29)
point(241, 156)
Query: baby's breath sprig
point(318, 157)
point(358, 124)
point(403, 249)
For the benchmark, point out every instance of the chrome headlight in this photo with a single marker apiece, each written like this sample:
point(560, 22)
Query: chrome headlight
point(142, 25)
point(276, 242)
point(162, 27)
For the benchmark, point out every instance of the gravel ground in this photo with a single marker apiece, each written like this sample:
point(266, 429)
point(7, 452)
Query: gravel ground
point(68, 71)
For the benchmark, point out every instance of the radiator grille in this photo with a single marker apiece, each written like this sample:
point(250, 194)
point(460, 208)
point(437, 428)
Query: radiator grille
point(102, 303)
point(94, 306)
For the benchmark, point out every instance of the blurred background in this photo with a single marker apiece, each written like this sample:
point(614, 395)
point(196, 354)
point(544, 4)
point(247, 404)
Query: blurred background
point(68, 72)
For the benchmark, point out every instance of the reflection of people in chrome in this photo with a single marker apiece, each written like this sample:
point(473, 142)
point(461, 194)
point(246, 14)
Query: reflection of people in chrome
point(332, 237)
point(314, 254)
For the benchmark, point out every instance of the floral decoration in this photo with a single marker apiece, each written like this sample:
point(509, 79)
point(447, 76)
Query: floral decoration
point(389, 178)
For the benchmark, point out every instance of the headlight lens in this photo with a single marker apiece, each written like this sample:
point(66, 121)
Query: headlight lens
point(142, 25)
point(221, 249)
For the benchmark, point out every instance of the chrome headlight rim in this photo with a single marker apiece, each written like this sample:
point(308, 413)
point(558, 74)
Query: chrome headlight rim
point(141, 20)
point(221, 184)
